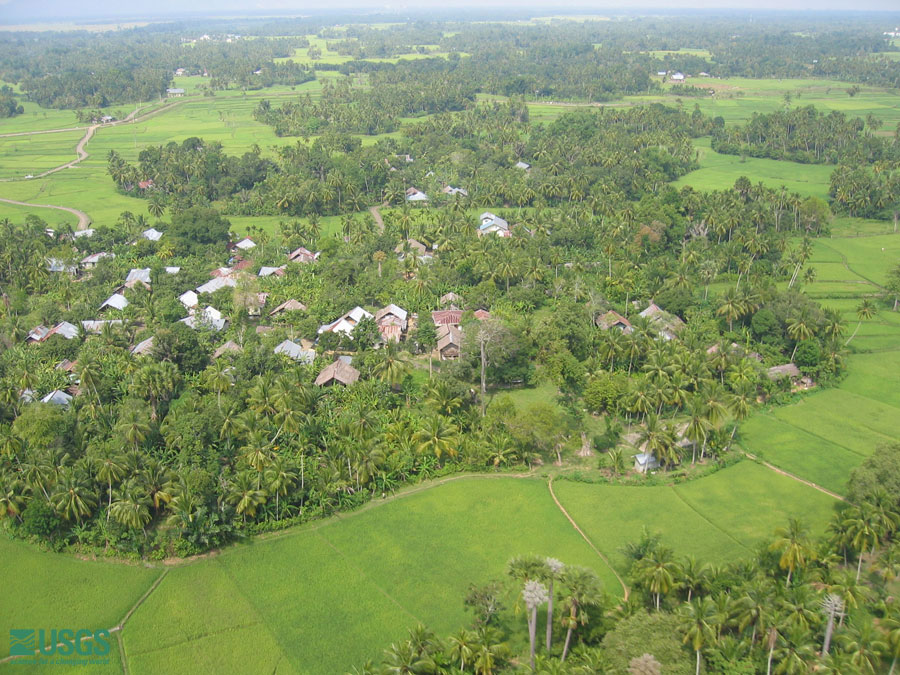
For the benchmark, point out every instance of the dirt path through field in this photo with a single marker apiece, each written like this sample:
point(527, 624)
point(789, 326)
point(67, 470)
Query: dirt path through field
point(808, 483)
point(83, 219)
point(602, 557)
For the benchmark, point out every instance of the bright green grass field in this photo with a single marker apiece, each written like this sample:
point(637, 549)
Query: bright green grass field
point(48, 590)
point(718, 171)
point(24, 155)
point(718, 518)
point(870, 257)
point(361, 577)
point(799, 452)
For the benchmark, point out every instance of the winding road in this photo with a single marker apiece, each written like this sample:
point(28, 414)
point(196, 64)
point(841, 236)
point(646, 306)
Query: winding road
point(81, 154)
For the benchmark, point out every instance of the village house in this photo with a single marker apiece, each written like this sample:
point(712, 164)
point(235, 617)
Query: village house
point(447, 317)
point(416, 195)
point(450, 298)
point(666, 324)
point(265, 271)
point(57, 397)
point(524, 166)
point(174, 92)
point(645, 462)
point(143, 347)
point(449, 342)
point(95, 326)
point(613, 319)
point(37, 334)
point(210, 317)
point(789, 370)
point(346, 323)
point(296, 352)
point(302, 255)
point(678, 77)
point(288, 306)
point(230, 347)
point(492, 224)
point(216, 284)
point(189, 299)
point(391, 322)
point(63, 328)
point(152, 234)
point(414, 247)
point(142, 275)
point(245, 244)
point(481, 314)
point(115, 301)
point(453, 191)
point(339, 372)
point(91, 261)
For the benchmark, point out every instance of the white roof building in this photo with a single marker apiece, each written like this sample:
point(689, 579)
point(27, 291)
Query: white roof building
point(94, 258)
point(96, 325)
point(216, 284)
point(77, 234)
point(64, 328)
point(189, 299)
point(245, 244)
point(116, 301)
point(152, 234)
point(346, 323)
point(142, 347)
point(173, 270)
point(138, 275)
point(269, 271)
point(57, 397)
point(296, 352)
point(210, 317)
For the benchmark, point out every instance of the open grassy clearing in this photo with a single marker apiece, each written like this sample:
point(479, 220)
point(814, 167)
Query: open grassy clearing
point(21, 156)
point(736, 99)
point(718, 172)
point(749, 501)
point(870, 257)
point(49, 590)
point(360, 577)
point(801, 453)
point(719, 518)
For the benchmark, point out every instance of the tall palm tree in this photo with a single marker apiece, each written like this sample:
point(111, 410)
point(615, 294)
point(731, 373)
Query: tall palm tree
point(392, 365)
point(110, 467)
point(865, 311)
point(534, 594)
point(73, 497)
point(132, 505)
point(437, 437)
point(696, 617)
point(794, 545)
point(582, 590)
point(658, 571)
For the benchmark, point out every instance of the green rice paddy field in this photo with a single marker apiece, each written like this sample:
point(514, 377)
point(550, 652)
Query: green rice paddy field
point(284, 601)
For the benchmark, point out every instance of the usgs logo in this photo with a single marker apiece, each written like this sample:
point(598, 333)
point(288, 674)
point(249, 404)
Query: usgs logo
point(64, 641)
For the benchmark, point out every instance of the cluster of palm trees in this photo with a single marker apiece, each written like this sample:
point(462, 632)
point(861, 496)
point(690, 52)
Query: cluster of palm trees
point(785, 610)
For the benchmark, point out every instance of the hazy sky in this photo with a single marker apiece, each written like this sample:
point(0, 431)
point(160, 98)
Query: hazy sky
point(14, 11)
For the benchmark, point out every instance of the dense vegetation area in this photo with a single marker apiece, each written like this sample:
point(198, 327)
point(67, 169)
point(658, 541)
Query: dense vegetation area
point(452, 268)
point(800, 604)
point(247, 440)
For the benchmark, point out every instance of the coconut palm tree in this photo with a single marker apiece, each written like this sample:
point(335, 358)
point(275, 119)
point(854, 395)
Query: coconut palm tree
point(865, 311)
point(582, 590)
point(696, 617)
point(658, 571)
point(793, 544)
point(132, 505)
point(73, 497)
point(392, 365)
point(437, 437)
point(110, 467)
